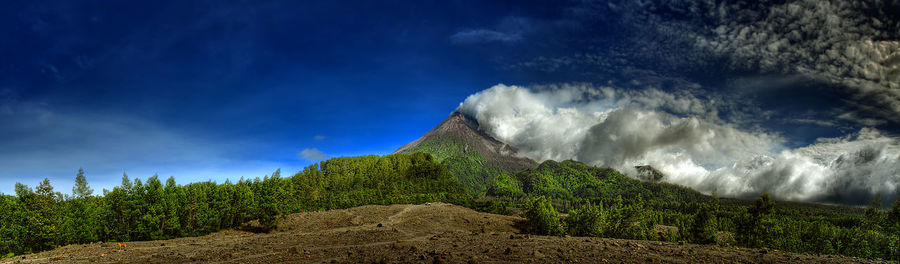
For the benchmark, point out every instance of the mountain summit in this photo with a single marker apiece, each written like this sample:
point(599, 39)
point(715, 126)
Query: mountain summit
point(473, 156)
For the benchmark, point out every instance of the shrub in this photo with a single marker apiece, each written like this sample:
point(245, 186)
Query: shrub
point(585, 221)
point(753, 226)
point(541, 218)
point(628, 220)
point(704, 228)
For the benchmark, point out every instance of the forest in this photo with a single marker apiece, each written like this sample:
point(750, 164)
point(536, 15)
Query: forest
point(469, 168)
point(556, 198)
point(763, 224)
point(602, 202)
point(41, 218)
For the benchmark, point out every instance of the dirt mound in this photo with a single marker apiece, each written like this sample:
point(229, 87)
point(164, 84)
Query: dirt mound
point(433, 233)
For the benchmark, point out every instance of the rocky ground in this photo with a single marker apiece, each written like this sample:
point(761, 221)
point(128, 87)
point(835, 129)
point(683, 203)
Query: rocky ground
point(430, 233)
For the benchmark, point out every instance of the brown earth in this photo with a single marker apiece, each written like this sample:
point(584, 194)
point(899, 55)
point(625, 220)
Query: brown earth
point(429, 233)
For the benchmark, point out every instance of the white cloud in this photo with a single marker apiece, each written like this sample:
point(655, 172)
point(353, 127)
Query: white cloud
point(313, 154)
point(683, 137)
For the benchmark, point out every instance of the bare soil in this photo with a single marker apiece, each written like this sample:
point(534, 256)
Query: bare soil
point(429, 233)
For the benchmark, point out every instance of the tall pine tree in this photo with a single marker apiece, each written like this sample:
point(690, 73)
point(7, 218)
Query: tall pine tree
point(81, 188)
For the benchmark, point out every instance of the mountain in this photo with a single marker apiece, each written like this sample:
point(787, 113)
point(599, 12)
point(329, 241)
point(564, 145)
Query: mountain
point(648, 173)
point(471, 155)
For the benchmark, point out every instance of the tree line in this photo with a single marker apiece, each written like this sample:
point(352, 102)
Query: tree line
point(41, 218)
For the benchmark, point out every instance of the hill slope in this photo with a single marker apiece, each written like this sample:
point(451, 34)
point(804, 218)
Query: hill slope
point(572, 180)
point(470, 154)
point(405, 234)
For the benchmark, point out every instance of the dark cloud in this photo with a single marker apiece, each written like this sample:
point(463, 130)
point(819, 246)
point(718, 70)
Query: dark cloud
point(852, 45)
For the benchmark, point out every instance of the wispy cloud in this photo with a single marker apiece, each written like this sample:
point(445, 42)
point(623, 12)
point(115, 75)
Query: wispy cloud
point(510, 29)
point(313, 154)
point(484, 36)
point(46, 142)
point(808, 121)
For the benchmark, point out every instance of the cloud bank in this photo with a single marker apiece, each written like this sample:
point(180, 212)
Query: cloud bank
point(683, 136)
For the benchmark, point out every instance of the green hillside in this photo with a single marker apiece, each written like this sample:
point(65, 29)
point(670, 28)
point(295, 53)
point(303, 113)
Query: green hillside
point(603, 202)
point(472, 156)
point(572, 180)
point(469, 168)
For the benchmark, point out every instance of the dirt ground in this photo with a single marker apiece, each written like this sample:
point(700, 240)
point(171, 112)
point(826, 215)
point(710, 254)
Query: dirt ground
point(429, 233)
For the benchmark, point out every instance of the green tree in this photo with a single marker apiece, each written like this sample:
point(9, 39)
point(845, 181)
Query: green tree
point(153, 218)
point(753, 226)
point(585, 221)
point(13, 221)
point(171, 225)
point(268, 194)
point(243, 202)
point(505, 185)
point(42, 213)
point(892, 219)
point(874, 215)
point(703, 229)
point(629, 220)
point(705, 225)
point(542, 218)
point(126, 182)
point(81, 188)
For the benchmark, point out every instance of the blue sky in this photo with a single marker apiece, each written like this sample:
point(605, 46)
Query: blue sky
point(214, 89)
point(224, 89)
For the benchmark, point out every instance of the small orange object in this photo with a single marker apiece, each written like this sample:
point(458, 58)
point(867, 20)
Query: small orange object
point(122, 245)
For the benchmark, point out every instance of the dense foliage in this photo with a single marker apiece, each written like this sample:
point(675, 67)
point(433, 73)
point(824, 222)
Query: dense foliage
point(542, 218)
point(41, 218)
point(705, 225)
point(585, 221)
point(576, 182)
point(469, 168)
point(619, 220)
point(603, 202)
